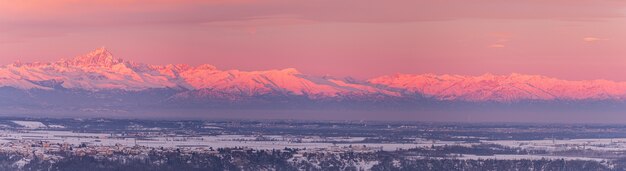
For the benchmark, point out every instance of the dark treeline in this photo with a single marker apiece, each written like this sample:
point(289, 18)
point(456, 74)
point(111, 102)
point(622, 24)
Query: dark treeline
point(293, 159)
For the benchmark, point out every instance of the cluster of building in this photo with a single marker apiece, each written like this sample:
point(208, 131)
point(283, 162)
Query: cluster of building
point(52, 151)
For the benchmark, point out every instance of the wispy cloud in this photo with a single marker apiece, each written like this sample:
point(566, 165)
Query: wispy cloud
point(164, 11)
point(70, 15)
point(593, 39)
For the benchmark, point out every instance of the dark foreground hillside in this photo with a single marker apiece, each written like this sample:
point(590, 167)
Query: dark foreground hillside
point(288, 159)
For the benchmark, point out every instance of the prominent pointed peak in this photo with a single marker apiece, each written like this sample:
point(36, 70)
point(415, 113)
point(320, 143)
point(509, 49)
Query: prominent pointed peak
point(101, 51)
point(99, 57)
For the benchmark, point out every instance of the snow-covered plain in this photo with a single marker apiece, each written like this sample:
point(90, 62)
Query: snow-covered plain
point(607, 144)
point(219, 141)
point(30, 124)
point(312, 142)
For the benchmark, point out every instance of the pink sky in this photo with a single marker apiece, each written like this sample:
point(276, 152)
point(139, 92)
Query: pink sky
point(570, 39)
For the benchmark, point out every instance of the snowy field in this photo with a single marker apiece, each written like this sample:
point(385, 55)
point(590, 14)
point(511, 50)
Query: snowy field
point(30, 124)
point(219, 141)
point(311, 142)
point(615, 144)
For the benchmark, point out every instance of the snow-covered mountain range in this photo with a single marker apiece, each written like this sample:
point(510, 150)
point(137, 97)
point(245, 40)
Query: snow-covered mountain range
point(103, 79)
point(100, 70)
point(502, 88)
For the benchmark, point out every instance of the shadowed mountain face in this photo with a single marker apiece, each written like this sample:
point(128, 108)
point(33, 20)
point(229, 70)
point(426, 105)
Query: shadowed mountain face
point(99, 83)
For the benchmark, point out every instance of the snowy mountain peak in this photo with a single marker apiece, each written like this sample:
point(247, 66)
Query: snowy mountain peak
point(100, 70)
point(503, 88)
point(291, 71)
point(206, 67)
point(100, 57)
